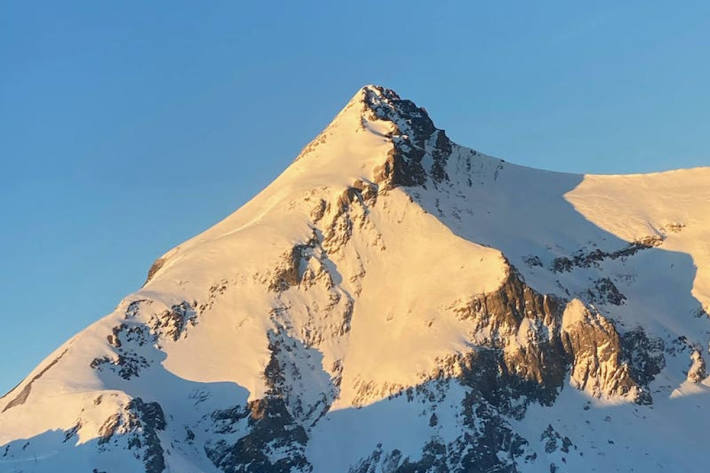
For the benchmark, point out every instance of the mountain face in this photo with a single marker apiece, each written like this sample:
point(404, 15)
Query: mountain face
point(395, 302)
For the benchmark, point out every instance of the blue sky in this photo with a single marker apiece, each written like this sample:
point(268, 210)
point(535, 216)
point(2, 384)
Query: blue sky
point(127, 127)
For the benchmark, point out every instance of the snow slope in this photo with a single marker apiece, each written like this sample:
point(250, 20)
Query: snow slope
point(408, 303)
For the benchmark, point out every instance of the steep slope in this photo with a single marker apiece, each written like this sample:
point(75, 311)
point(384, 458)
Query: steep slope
point(408, 303)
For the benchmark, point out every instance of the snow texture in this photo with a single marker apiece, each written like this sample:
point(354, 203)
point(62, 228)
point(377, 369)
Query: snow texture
point(396, 302)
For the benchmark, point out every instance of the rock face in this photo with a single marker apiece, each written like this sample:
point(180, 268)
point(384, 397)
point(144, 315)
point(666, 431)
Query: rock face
point(414, 138)
point(697, 372)
point(394, 302)
point(605, 364)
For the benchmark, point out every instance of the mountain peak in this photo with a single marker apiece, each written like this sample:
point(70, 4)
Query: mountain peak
point(411, 120)
point(408, 303)
point(414, 149)
point(388, 105)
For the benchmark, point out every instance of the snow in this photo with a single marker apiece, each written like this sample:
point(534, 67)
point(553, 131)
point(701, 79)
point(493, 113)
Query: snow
point(675, 204)
point(575, 312)
point(411, 257)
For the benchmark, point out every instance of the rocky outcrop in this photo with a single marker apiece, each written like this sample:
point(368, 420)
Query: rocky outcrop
point(290, 269)
point(523, 326)
point(154, 268)
point(275, 441)
point(645, 357)
point(527, 343)
point(274, 444)
point(141, 334)
point(553, 441)
point(475, 452)
point(541, 337)
point(136, 426)
point(173, 323)
point(127, 366)
point(484, 429)
point(347, 213)
point(697, 372)
point(586, 259)
point(605, 292)
point(596, 349)
point(415, 138)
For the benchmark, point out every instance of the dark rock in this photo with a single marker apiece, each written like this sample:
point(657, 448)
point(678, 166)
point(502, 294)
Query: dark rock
point(594, 257)
point(645, 358)
point(290, 270)
point(607, 292)
point(599, 366)
point(416, 136)
point(272, 427)
point(155, 267)
point(536, 370)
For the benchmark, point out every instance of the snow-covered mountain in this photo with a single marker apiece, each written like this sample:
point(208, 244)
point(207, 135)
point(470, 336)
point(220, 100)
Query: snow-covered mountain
point(395, 302)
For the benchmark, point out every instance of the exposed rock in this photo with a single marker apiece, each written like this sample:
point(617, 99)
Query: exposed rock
point(592, 258)
point(605, 291)
point(290, 270)
point(697, 372)
point(25, 393)
point(172, 323)
point(109, 427)
point(319, 210)
point(415, 138)
point(132, 338)
point(127, 366)
point(72, 432)
point(155, 267)
point(533, 261)
point(272, 429)
point(150, 419)
point(644, 356)
point(598, 366)
point(225, 421)
point(272, 426)
point(523, 326)
point(554, 440)
point(484, 435)
point(349, 211)
point(138, 424)
point(537, 346)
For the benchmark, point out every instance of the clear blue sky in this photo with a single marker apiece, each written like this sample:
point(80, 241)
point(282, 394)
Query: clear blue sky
point(127, 127)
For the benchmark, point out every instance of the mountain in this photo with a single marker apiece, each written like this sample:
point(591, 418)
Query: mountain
point(395, 302)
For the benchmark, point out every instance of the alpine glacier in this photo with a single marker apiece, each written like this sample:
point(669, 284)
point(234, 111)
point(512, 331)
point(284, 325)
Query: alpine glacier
point(395, 302)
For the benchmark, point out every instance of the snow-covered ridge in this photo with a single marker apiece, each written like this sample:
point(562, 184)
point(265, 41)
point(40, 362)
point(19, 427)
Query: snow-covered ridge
point(408, 302)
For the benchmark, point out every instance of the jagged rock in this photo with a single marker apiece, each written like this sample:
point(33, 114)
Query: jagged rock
point(697, 372)
point(155, 267)
point(582, 259)
point(290, 270)
point(523, 326)
point(605, 291)
point(272, 429)
point(127, 366)
point(138, 424)
point(554, 440)
point(415, 137)
point(598, 366)
point(172, 323)
point(644, 355)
